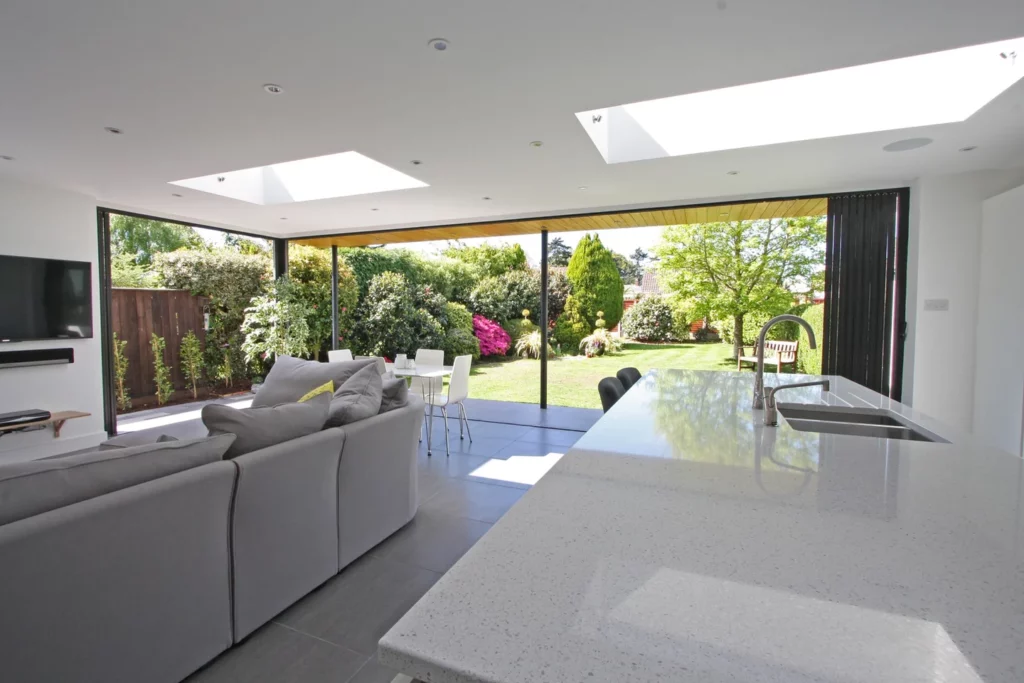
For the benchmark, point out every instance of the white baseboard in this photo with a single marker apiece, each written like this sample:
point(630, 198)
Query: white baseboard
point(45, 448)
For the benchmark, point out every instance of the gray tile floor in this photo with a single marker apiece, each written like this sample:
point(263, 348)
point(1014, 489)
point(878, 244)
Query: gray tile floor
point(331, 635)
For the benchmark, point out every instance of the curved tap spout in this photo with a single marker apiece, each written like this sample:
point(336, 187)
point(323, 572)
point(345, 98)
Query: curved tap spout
point(759, 379)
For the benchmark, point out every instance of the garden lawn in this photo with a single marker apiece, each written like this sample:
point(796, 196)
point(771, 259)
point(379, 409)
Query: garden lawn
point(572, 380)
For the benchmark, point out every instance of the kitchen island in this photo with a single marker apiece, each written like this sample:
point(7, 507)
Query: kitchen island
point(681, 540)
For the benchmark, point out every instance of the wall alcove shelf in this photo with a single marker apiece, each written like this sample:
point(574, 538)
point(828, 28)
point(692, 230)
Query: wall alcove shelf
point(56, 419)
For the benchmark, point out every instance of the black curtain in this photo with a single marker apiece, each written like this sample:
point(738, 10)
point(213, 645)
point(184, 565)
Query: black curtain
point(865, 288)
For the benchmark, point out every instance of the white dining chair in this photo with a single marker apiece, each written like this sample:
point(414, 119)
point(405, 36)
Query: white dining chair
point(382, 365)
point(339, 355)
point(431, 358)
point(458, 391)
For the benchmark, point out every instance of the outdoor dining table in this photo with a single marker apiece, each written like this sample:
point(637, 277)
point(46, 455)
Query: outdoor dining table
point(426, 388)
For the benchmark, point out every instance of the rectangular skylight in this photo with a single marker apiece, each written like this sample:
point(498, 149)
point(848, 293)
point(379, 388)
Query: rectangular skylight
point(334, 175)
point(936, 88)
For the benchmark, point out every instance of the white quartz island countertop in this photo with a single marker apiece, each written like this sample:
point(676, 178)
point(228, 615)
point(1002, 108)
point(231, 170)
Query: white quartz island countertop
point(680, 540)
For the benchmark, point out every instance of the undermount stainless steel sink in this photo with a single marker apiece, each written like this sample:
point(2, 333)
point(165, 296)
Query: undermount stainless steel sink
point(872, 422)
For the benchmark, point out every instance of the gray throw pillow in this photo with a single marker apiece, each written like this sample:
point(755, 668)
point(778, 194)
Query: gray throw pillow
point(395, 394)
point(31, 488)
point(357, 399)
point(134, 439)
point(291, 378)
point(257, 428)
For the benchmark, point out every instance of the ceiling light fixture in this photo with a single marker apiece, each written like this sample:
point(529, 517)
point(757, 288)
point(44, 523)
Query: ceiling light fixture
point(416, 162)
point(969, 148)
point(537, 143)
point(582, 187)
point(487, 199)
point(439, 44)
point(374, 209)
point(6, 158)
point(114, 131)
point(908, 144)
point(732, 173)
point(273, 89)
point(175, 194)
point(922, 90)
point(284, 218)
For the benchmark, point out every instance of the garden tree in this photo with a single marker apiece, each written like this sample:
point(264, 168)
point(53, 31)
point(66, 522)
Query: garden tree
point(142, 238)
point(571, 327)
point(628, 270)
point(309, 269)
point(384, 321)
point(368, 262)
point(191, 353)
point(596, 283)
point(452, 279)
point(559, 289)
point(246, 245)
point(559, 252)
point(504, 297)
point(161, 373)
point(275, 324)
point(737, 268)
point(489, 259)
point(639, 257)
point(125, 272)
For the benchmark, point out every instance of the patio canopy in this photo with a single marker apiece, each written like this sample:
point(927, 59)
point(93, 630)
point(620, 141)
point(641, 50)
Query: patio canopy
point(708, 213)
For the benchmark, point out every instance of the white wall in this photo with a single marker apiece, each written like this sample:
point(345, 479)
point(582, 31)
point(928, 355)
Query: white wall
point(43, 222)
point(943, 263)
point(999, 378)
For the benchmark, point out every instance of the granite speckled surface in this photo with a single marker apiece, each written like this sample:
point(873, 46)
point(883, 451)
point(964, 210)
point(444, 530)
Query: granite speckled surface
point(681, 541)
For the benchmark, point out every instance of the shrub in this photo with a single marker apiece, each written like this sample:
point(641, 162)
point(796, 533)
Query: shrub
point(571, 326)
point(427, 332)
point(124, 399)
point(460, 342)
point(650, 319)
point(529, 344)
point(224, 370)
point(494, 341)
point(600, 342)
point(385, 319)
point(459, 317)
point(309, 270)
point(369, 262)
point(559, 289)
point(191, 352)
point(161, 373)
point(276, 325)
point(490, 260)
point(504, 297)
point(680, 321)
point(809, 360)
point(596, 282)
point(451, 278)
point(752, 324)
point(125, 272)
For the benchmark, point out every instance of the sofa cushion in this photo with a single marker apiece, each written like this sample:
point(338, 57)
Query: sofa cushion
point(258, 428)
point(357, 399)
point(291, 378)
point(31, 488)
point(143, 438)
point(394, 394)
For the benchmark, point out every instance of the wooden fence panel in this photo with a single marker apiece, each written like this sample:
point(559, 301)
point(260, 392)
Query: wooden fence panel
point(170, 313)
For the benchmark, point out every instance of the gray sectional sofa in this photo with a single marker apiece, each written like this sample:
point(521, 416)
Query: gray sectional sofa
point(150, 581)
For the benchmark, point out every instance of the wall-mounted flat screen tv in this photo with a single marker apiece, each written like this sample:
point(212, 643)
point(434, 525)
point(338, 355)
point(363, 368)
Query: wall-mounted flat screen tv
point(44, 299)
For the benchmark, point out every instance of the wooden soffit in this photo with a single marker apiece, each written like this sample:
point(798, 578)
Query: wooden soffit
point(787, 208)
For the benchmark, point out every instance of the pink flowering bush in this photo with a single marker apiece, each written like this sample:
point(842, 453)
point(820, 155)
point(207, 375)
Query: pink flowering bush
point(494, 341)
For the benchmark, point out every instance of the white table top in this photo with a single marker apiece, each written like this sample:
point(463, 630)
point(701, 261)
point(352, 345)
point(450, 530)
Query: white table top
point(419, 371)
point(681, 541)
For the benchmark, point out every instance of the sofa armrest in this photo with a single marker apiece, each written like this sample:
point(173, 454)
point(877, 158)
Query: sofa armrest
point(377, 479)
point(130, 586)
point(285, 525)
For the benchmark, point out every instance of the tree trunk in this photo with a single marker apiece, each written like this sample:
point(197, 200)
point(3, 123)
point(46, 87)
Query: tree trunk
point(737, 336)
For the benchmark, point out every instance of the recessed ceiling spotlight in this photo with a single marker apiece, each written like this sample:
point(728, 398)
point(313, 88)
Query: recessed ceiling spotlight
point(582, 187)
point(908, 144)
point(732, 173)
point(6, 158)
point(114, 131)
point(175, 194)
point(416, 162)
point(284, 218)
point(273, 89)
point(969, 148)
point(374, 209)
point(439, 44)
point(537, 143)
point(487, 199)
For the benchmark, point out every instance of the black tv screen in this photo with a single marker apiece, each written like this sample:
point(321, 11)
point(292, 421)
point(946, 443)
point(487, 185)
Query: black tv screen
point(44, 299)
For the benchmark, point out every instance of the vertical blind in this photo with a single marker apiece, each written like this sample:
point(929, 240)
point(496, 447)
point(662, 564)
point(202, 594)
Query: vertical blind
point(865, 276)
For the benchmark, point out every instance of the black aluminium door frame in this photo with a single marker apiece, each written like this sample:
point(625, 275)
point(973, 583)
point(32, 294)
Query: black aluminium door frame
point(103, 214)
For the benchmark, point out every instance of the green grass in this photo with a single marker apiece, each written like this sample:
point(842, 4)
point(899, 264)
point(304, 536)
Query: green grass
point(572, 380)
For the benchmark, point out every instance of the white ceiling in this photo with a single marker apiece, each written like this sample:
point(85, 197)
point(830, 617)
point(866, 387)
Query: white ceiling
point(184, 80)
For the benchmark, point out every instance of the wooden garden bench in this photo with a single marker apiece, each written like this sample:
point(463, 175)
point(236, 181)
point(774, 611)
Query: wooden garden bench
point(778, 353)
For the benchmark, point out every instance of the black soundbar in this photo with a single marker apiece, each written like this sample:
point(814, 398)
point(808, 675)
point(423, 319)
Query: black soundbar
point(20, 359)
point(22, 417)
